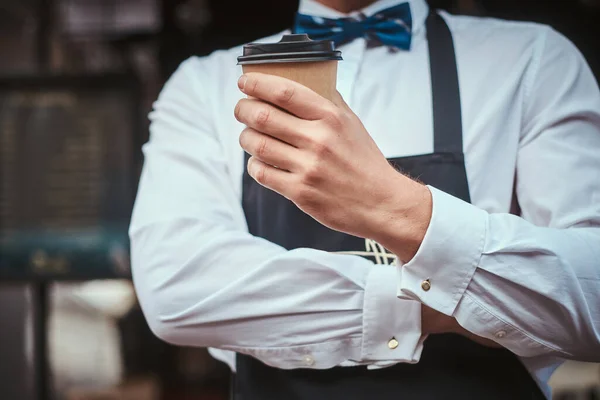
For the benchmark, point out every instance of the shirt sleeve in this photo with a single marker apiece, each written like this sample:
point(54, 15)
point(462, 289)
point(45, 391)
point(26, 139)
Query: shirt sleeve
point(203, 280)
point(529, 282)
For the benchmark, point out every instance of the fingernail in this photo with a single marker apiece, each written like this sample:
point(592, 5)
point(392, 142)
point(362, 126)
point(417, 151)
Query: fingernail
point(250, 166)
point(242, 82)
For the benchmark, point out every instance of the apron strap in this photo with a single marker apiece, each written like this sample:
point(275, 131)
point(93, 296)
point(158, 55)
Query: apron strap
point(445, 91)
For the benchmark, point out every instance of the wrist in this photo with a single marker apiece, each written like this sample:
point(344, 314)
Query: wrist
point(433, 322)
point(403, 218)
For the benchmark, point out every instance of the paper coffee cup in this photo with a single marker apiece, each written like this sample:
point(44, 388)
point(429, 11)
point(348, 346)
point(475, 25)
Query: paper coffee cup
point(312, 63)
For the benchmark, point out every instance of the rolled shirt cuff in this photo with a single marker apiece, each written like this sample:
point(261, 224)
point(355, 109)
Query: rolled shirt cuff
point(440, 272)
point(391, 326)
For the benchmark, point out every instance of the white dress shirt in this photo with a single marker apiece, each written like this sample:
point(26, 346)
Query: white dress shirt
point(531, 281)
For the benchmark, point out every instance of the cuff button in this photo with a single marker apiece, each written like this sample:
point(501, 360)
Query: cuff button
point(308, 360)
point(426, 285)
point(393, 343)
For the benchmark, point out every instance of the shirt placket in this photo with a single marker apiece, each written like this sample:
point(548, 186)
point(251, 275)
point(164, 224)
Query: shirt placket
point(353, 54)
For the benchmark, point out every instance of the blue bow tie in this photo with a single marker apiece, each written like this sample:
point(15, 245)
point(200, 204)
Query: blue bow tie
point(390, 27)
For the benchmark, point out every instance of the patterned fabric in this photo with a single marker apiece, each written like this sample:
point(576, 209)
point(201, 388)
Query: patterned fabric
point(390, 27)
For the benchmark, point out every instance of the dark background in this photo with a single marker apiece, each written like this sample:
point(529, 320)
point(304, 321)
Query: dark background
point(578, 19)
point(107, 64)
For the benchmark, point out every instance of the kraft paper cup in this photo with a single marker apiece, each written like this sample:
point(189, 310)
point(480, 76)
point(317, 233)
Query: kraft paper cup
point(308, 62)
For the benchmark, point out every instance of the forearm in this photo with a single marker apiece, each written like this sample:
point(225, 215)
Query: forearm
point(411, 214)
point(531, 289)
point(408, 215)
point(433, 322)
point(464, 254)
point(225, 289)
point(262, 300)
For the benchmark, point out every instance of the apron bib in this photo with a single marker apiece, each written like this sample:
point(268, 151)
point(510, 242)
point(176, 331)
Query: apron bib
point(451, 367)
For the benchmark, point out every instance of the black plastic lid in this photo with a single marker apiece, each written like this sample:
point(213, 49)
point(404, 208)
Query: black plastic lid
point(291, 48)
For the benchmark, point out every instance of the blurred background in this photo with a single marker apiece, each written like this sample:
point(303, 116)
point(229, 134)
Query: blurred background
point(77, 79)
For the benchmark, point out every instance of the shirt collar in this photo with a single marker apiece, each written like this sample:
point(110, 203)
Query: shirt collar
point(419, 9)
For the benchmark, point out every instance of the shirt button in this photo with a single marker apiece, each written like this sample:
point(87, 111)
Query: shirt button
point(308, 360)
point(426, 285)
point(500, 334)
point(393, 343)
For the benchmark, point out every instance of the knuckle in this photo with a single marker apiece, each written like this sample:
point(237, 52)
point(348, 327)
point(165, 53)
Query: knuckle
point(251, 84)
point(262, 147)
point(262, 117)
point(335, 118)
point(312, 174)
point(285, 94)
point(322, 145)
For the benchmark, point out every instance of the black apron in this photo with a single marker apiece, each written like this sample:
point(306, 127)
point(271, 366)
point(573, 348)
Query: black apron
point(451, 367)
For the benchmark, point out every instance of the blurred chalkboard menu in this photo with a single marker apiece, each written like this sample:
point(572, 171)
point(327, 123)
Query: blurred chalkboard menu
point(68, 172)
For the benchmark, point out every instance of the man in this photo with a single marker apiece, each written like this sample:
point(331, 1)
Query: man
point(281, 260)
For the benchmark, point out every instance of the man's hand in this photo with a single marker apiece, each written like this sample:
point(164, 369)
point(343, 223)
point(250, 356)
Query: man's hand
point(318, 154)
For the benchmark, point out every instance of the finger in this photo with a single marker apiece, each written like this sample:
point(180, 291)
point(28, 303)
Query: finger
point(291, 96)
point(270, 177)
point(270, 150)
point(266, 118)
